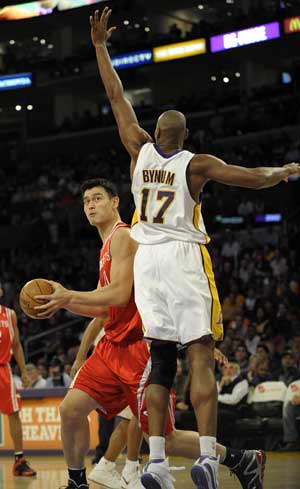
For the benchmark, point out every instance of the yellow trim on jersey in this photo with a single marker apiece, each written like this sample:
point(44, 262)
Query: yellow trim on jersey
point(196, 221)
point(216, 310)
point(196, 216)
point(134, 219)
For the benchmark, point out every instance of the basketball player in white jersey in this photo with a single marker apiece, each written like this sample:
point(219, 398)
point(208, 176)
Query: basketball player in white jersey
point(174, 284)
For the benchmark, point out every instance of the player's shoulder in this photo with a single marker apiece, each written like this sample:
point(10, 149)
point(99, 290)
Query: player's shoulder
point(200, 162)
point(121, 239)
point(120, 233)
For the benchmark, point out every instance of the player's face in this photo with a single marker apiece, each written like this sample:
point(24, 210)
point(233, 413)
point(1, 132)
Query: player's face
point(99, 207)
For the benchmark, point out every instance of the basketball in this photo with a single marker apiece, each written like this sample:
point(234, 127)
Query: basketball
point(32, 288)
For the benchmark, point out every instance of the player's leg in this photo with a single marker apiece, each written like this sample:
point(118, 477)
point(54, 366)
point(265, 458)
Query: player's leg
point(131, 472)
point(21, 466)
point(104, 471)
point(75, 433)
point(164, 364)
point(163, 359)
point(10, 404)
point(247, 465)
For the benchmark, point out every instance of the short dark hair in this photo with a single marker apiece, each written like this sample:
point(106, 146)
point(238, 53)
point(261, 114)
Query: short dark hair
point(109, 186)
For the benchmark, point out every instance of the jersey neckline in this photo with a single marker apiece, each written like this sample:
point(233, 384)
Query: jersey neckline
point(165, 155)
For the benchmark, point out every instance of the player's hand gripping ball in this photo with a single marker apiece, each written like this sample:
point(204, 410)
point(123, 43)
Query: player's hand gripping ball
point(38, 286)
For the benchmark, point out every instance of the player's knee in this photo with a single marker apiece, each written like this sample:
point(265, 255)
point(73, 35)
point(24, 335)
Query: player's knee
point(164, 364)
point(69, 413)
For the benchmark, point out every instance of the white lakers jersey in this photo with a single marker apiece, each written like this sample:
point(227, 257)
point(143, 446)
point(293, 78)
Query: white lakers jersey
point(164, 207)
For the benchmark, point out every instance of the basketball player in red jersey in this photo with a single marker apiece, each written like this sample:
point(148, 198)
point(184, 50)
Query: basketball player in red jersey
point(109, 380)
point(117, 372)
point(10, 401)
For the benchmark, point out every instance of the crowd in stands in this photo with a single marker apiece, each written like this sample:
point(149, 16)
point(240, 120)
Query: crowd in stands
point(30, 54)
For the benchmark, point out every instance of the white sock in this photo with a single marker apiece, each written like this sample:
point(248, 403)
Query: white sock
point(208, 446)
point(108, 464)
point(130, 466)
point(157, 447)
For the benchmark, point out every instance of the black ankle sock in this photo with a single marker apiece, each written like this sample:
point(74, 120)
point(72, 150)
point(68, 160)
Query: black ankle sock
point(18, 456)
point(233, 457)
point(78, 476)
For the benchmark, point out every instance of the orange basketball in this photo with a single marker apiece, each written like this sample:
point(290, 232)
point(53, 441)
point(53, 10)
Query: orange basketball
point(32, 288)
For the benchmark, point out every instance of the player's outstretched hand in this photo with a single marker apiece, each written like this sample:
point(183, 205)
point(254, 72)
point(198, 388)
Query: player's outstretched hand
point(99, 31)
point(293, 170)
point(55, 301)
point(220, 357)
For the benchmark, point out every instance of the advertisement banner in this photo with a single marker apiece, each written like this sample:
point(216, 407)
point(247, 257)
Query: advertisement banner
point(40, 7)
point(41, 425)
point(129, 60)
point(252, 35)
point(179, 50)
point(292, 25)
point(13, 82)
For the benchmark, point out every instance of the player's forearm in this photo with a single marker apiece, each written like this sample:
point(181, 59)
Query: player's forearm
point(111, 81)
point(112, 295)
point(269, 177)
point(19, 357)
point(89, 337)
point(87, 311)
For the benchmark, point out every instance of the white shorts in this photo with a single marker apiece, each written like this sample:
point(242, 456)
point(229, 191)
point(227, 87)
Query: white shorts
point(175, 292)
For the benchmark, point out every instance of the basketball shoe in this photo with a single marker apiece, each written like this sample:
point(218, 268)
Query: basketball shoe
point(250, 470)
point(156, 475)
point(105, 473)
point(22, 468)
point(72, 485)
point(204, 472)
point(131, 480)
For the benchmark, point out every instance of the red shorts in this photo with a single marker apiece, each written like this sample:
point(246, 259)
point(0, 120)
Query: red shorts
point(115, 376)
point(10, 400)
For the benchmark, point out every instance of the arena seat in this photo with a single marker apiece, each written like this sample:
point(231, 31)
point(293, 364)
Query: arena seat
point(264, 429)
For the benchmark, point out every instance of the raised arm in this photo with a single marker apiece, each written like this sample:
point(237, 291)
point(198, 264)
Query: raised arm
point(132, 135)
point(207, 167)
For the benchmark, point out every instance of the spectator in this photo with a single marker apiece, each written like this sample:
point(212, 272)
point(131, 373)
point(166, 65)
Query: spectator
point(57, 377)
point(252, 340)
point(42, 370)
point(288, 372)
point(231, 306)
point(241, 358)
point(262, 373)
point(232, 395)
point(232, 388)
point(291, 411)
point(252, 368)
point(36, 380)
point(231, 247)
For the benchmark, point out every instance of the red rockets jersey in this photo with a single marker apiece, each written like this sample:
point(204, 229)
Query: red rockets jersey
point(7, 332)
point(124, 322)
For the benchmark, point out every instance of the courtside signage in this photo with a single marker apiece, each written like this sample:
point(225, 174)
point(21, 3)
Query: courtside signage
point(179, 50)
point(292, 25)
point(12, 82)
point(237, 39)
point(130, 60)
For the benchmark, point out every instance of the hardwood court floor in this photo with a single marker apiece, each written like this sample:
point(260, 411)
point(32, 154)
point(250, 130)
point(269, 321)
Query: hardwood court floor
point(282, 472)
